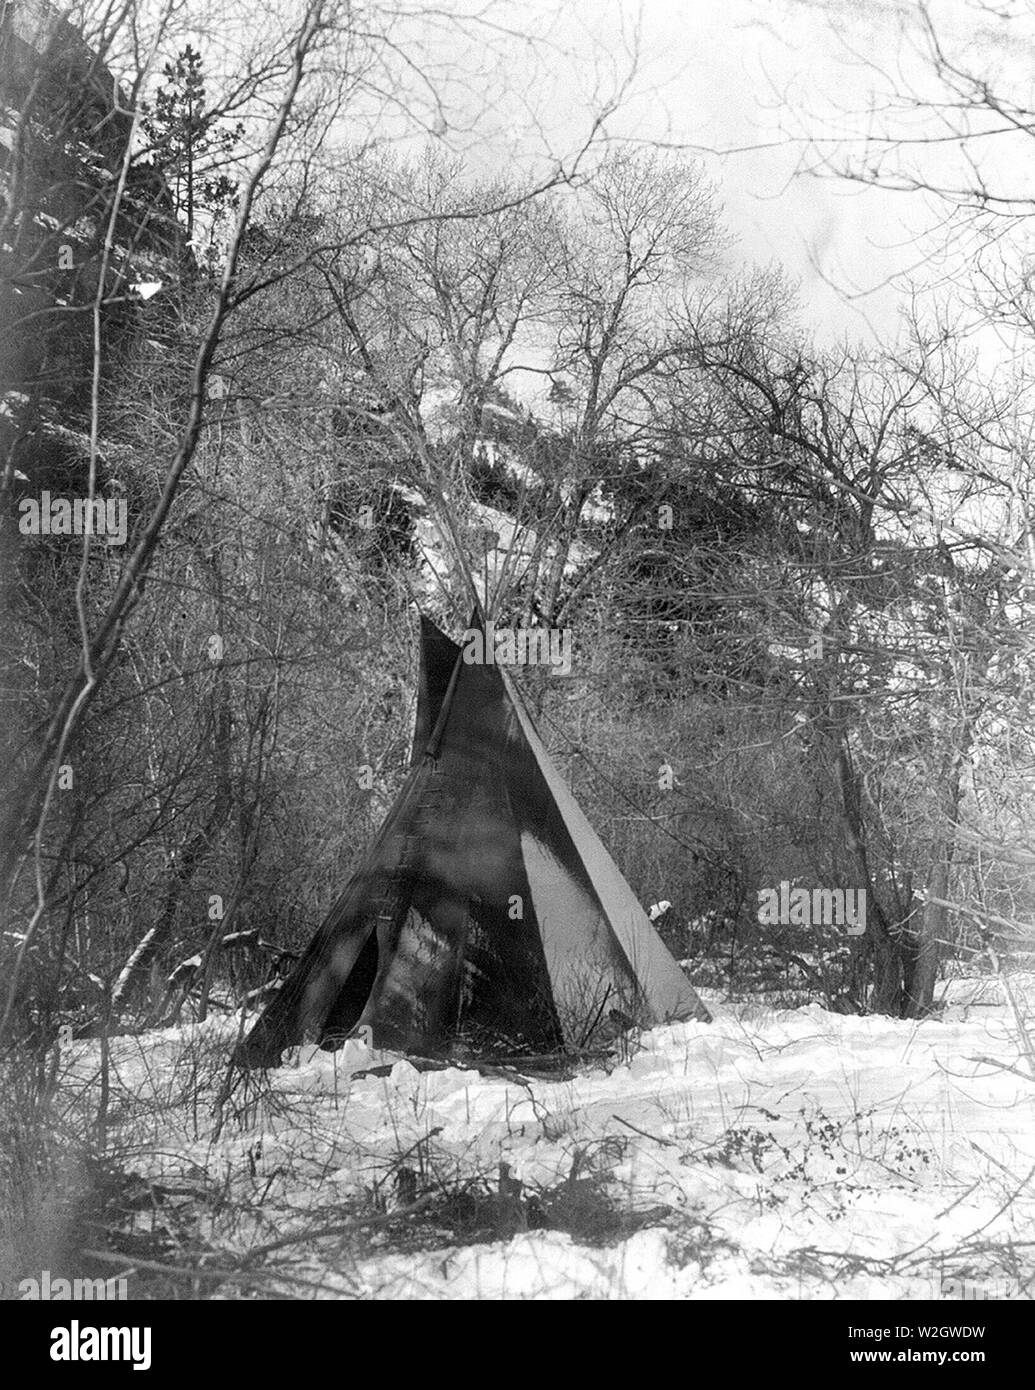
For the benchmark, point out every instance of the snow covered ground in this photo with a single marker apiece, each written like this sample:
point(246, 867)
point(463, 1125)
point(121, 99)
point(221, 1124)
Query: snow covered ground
point(770, 1154)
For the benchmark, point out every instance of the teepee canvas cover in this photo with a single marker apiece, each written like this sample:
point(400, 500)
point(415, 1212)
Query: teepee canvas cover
point(485, 908)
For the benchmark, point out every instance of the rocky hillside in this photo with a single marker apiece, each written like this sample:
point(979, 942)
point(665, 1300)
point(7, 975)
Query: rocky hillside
point(65, 128)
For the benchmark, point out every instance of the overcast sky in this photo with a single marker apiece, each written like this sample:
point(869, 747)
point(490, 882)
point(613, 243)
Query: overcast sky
point(754, 73)
point(751, 80)
point(745, 78)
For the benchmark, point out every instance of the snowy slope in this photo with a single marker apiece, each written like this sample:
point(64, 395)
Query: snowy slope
point(770, 1154)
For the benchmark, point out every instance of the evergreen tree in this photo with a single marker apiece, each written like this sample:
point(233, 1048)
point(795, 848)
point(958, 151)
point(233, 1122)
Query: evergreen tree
point(190, 142)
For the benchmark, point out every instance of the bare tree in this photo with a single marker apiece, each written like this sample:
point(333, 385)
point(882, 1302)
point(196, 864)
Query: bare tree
point(289, 84)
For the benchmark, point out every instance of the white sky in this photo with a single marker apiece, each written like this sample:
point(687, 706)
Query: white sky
point(742, 60)
point(741, 76)
point(745, 77)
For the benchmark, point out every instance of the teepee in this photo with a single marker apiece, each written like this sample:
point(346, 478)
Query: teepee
point(486, 908)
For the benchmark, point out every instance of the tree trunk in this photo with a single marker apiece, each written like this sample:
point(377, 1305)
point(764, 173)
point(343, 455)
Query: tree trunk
point(919, 993)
